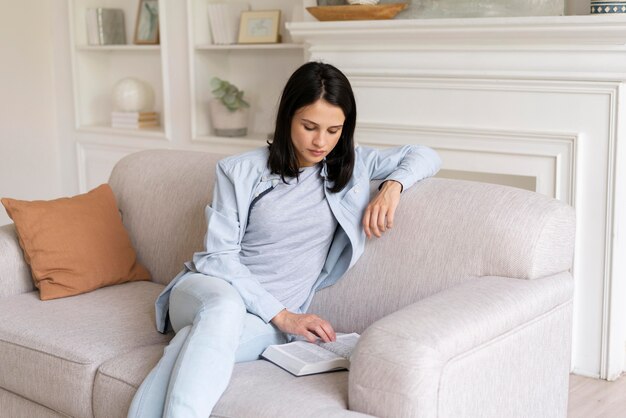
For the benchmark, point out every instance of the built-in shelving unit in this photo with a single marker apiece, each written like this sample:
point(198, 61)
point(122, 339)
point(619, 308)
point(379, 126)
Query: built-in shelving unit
point(96, 69)
point(259, 70)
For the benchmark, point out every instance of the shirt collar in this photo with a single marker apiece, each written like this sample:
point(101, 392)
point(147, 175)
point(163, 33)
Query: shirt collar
point(268, 175)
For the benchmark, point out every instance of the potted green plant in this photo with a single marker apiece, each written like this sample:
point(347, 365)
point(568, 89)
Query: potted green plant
point(228, 109)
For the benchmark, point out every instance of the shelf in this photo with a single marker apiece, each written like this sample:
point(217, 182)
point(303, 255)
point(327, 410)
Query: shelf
point(253, 136)
point(248, 47)
point(125, 48)
point(254, 139)
point(151, 132)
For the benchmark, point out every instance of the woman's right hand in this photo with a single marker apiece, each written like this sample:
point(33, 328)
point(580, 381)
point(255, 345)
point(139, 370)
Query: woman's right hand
point(309, 326)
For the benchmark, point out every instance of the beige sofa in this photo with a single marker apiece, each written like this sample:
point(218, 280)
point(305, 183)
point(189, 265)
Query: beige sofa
point(465, 310)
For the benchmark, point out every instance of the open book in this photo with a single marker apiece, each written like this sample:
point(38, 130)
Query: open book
point(301, 357)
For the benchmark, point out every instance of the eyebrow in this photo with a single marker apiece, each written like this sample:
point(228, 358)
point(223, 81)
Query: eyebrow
point(316, 124)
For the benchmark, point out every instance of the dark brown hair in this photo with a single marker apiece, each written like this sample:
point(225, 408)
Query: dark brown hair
point(309, 83)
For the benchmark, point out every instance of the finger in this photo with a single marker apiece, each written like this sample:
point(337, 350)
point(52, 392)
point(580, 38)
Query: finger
point(381, 219)
point(322, 333)
point(366, 222)
point(310, 337)
point(329, 330)
point(374, 221)
point(390, 217)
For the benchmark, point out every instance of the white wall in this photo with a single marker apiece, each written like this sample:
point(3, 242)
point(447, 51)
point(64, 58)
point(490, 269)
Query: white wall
point(577, 7)
point(37, 156)
point(29, 155)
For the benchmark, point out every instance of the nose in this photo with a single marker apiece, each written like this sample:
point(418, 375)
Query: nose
point(319, 140)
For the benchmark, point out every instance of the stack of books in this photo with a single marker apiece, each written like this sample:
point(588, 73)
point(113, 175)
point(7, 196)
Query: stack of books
point(134, 120)
point(224, 20)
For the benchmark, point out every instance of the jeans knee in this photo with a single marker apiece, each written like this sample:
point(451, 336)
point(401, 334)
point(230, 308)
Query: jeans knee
point(230, 304)
point(200, 293)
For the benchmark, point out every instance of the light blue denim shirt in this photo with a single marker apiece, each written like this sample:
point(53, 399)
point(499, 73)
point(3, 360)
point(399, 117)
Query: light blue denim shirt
point(242, 178)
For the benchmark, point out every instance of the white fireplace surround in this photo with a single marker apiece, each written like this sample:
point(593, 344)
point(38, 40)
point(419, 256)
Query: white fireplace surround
point(534, 101)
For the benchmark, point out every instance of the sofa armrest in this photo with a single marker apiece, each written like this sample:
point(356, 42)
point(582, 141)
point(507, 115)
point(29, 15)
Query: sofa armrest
point(15, 277)
point(492, 346)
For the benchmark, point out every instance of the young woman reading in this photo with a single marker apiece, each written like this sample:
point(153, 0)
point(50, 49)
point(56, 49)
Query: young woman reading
point(285, 221)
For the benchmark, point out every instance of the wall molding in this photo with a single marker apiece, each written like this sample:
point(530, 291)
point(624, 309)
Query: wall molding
point(560, 147)
point(86, 149)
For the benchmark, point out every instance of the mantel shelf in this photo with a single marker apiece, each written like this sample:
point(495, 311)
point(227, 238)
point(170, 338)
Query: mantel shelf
point(602, 31)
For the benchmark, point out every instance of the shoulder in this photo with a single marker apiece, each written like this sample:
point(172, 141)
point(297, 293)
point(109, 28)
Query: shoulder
point(255, 156)
point(247, 162)
point(361, 151)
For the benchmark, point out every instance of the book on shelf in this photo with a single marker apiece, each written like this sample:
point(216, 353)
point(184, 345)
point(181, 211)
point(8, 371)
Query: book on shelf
point(224, 20)
point(302, 358)
point(105, 26)
point(134, 116)
point(134, 120)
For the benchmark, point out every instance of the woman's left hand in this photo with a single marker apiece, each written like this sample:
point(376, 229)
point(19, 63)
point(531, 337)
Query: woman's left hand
point(380, 212)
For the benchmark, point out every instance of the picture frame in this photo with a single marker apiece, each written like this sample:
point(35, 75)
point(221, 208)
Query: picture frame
point(259, 27)
point(147, 25)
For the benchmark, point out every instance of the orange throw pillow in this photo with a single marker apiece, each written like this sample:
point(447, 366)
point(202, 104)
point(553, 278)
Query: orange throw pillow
point(75, 245)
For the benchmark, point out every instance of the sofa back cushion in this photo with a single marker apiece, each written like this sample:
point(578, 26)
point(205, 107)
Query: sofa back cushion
point(162, 195)
point(446, 232)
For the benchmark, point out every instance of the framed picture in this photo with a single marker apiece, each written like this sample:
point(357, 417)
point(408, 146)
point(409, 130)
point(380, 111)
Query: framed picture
point(147, 27)
point(259, 27)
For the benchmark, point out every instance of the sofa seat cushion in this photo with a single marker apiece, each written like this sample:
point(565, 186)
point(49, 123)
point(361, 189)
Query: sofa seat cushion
point(50, 351)
point(262, 389)
point(257, 389)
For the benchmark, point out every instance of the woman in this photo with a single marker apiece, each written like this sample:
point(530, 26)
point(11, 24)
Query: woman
point(285, 221)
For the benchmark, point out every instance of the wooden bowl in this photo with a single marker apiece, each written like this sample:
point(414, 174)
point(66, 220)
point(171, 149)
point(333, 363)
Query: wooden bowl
point(357, 11)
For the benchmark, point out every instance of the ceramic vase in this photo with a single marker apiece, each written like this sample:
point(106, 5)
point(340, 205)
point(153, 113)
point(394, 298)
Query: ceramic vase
point(607, 7)
point(226, 122)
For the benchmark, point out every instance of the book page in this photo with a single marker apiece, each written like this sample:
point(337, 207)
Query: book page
point(307, 352)
point(342, 346)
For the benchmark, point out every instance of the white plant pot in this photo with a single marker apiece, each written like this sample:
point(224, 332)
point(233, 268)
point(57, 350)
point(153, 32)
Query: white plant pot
point(227, 123)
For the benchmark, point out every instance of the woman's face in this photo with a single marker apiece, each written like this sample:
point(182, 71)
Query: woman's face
point(315, 130)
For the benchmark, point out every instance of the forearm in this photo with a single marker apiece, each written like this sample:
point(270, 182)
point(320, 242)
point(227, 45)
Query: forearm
point(417, 163)
point(391, 185)
point(407, 164)
point(279, 318)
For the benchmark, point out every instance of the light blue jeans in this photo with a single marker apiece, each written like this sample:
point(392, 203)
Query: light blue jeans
point(213, 331)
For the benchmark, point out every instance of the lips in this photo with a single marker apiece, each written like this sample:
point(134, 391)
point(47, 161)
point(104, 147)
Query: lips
point(316, 153)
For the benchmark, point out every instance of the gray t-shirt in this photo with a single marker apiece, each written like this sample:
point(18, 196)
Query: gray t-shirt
point(288, 236)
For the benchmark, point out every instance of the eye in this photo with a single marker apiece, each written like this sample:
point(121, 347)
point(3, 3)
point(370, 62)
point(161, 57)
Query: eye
point(333, 132)
point(309, 128)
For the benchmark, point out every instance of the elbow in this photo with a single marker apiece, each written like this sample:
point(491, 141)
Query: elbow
point(429, 160)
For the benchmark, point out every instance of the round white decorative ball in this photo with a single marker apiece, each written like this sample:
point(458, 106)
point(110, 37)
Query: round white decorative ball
point(133, 95)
